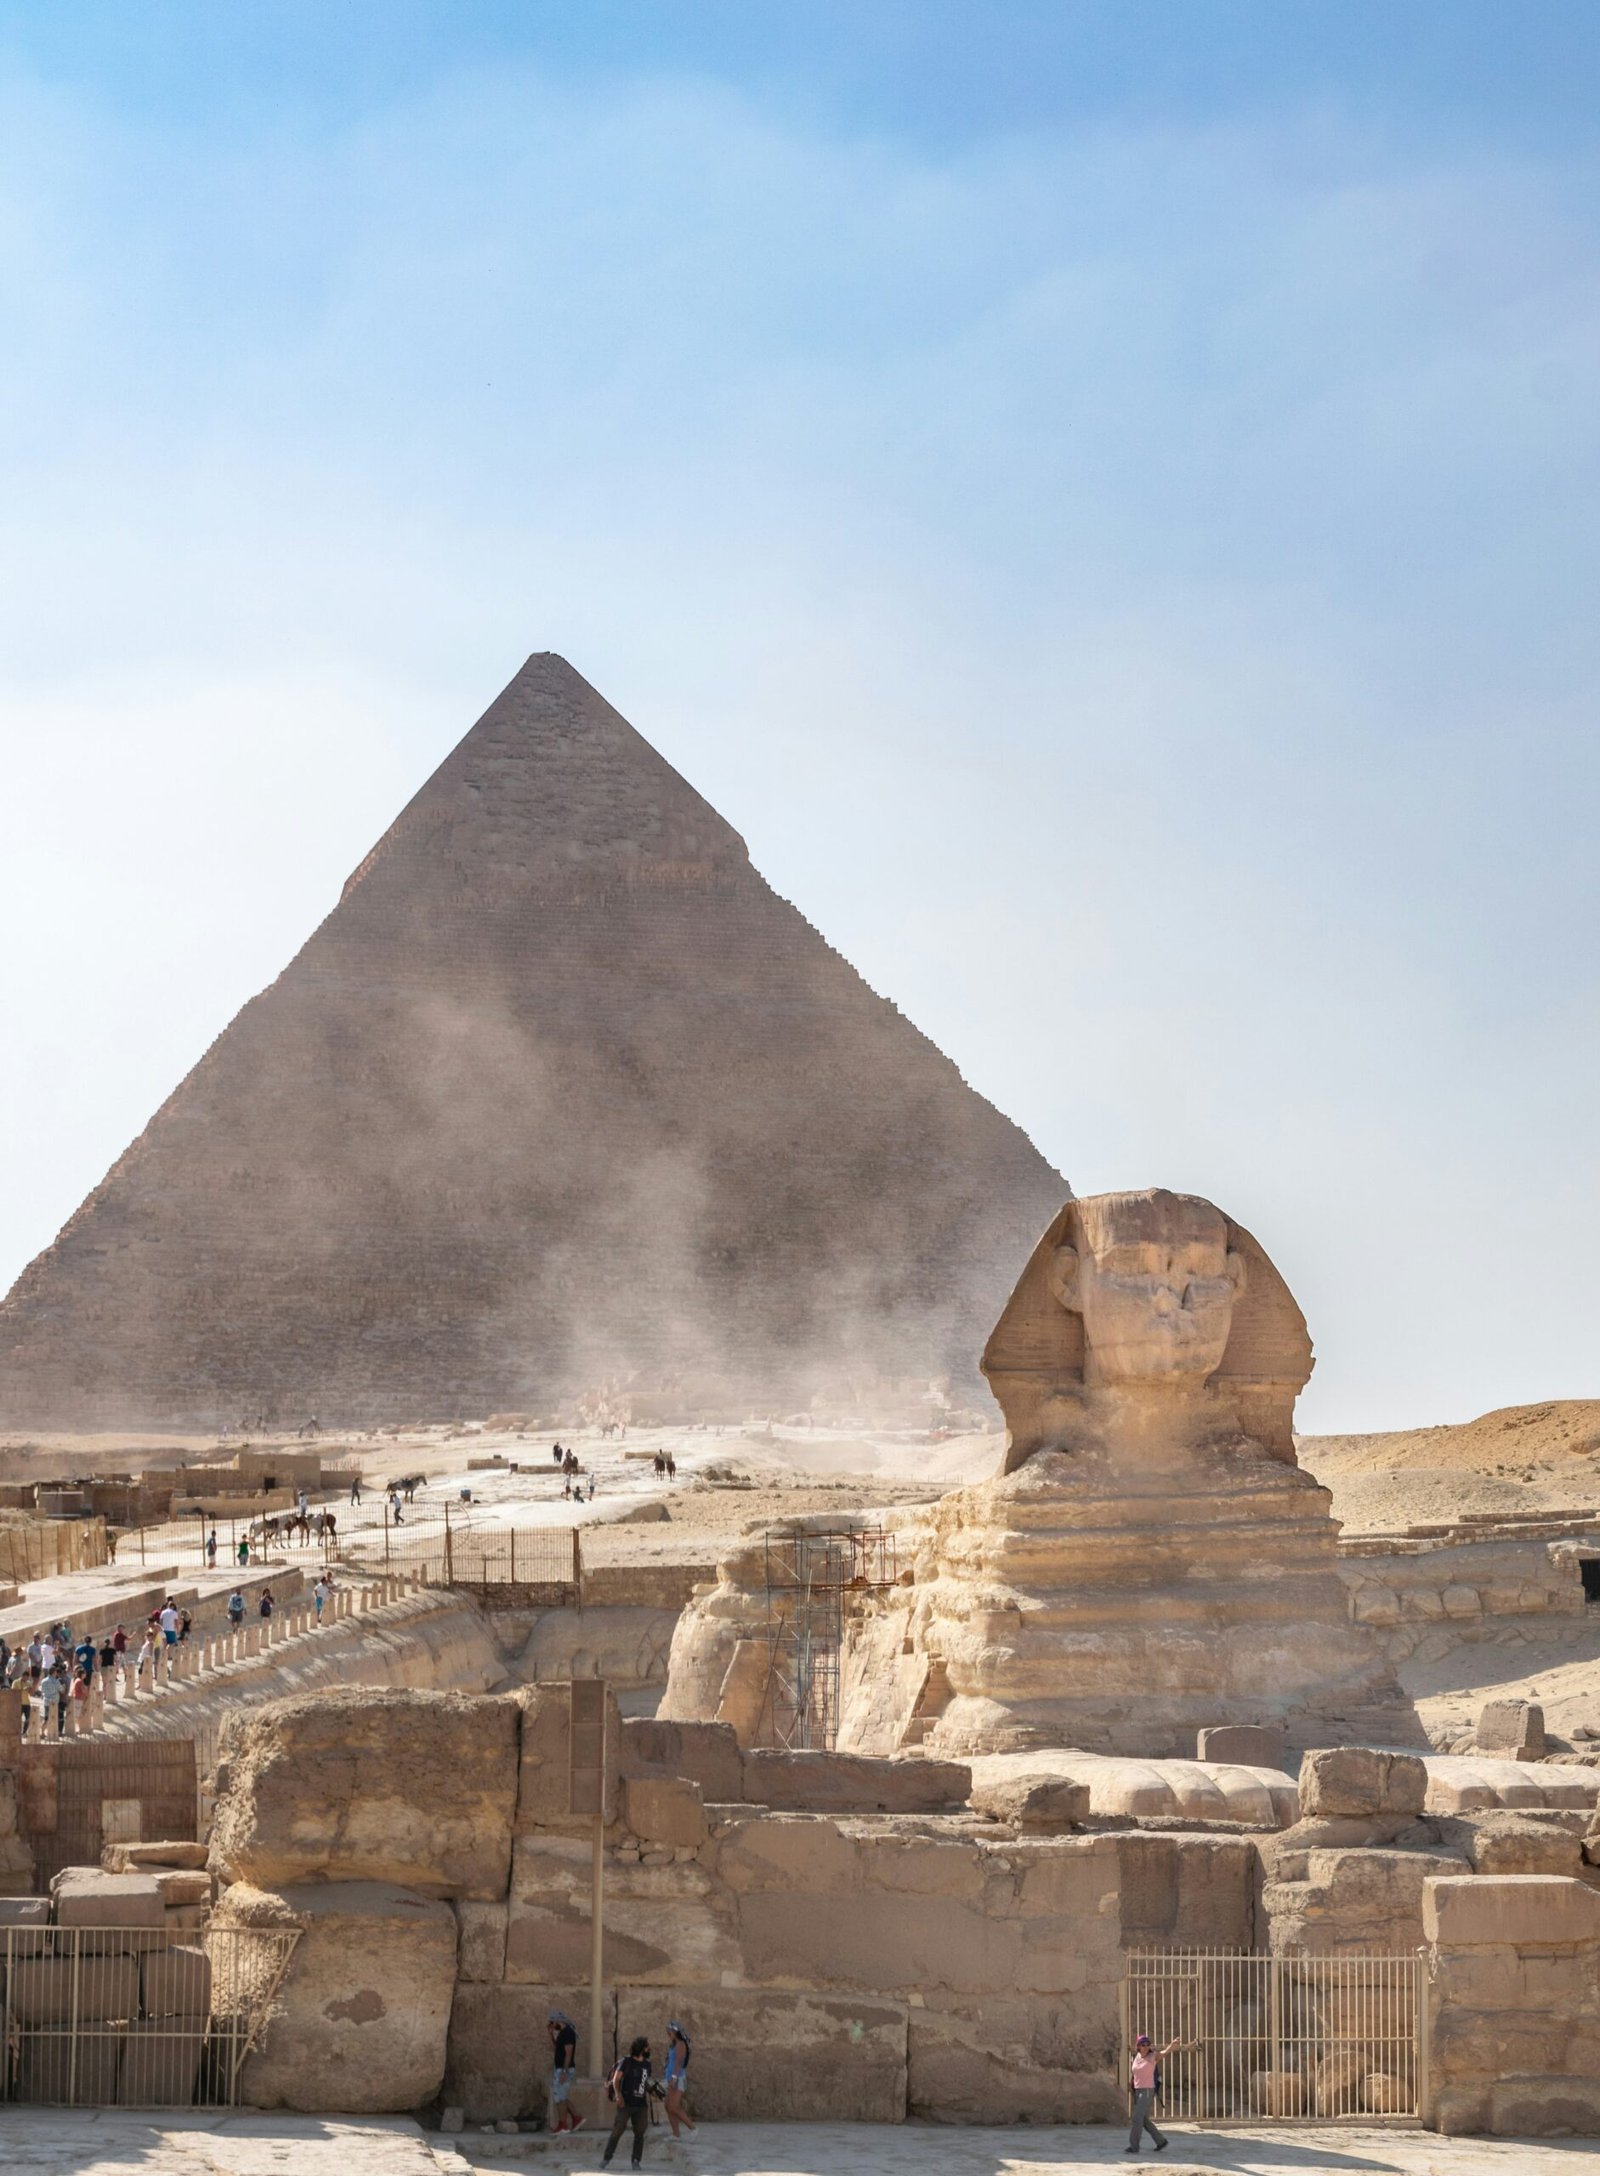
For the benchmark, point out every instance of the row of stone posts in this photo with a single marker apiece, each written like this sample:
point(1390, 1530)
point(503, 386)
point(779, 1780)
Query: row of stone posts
point(202, 1655)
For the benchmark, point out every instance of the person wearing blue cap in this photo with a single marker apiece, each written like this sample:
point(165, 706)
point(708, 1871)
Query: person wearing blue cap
point(675, 2077)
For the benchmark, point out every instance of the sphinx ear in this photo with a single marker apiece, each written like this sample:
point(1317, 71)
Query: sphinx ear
point(1238, 1271)
point(1064, 1277)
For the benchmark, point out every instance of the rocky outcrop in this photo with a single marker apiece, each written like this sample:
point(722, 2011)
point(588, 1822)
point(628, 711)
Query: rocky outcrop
point(409, 1787)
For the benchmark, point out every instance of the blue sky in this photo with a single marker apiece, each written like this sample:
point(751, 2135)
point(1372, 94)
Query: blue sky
point(1101, 496)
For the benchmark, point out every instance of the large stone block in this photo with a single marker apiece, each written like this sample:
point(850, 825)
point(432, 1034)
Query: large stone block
point(788, 1852)
point(707, 1753)
point(413, 1788)
point(83, 1896)
point(1037, 1805)
point(1193, 1891)
point(1544, 2106)
point(51, 2068)
point(660, 1920)
point(664, 1810)
point(876, 1942)
point(1013, 2060)
point(498, 2060)
point(1352, 1900)
point(361, 2020)
point(1245, 1745)
point(1474, 1911)
point(482, 1953)
point(852, 1783)
point(765, 2055)
point(1360, 1779)
point(177, 1982)
point(54, 1990)
point(544, 1766)
point(1511, 1727)
point(160, 2062)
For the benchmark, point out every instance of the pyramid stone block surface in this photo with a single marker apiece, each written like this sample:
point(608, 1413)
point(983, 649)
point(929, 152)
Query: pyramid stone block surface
point(560, 1094)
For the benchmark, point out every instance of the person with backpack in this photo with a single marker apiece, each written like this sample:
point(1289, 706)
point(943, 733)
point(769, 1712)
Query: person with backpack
point(675, 2078)
point(235, 1610)
point(1144, 2090)
point(630, 2086)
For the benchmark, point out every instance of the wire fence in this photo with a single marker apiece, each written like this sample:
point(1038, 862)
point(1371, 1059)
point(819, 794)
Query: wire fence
point(454, 1549)
point(134, 2017)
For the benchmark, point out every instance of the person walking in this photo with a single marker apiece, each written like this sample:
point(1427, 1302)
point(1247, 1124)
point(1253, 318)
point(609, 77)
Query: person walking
point(355, 1490)
point(235, 1610)
point(169, 1621)
point(1144, 2090)
point(629, 2086)
point(563, 2070)
point(53, 1694)
point(109, 1658)
point(675, 2078)
point(119, 1644)
point(264, 1607)
point(319, 1594)
point(242, 1553)
point(146, 1659)
point(211, 1550)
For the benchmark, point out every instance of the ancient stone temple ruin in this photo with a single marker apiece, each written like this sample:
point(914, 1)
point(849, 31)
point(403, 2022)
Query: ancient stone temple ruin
point(1151, 1559)
point(560, 1093)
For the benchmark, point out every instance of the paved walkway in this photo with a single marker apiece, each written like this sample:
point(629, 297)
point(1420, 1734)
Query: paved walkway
point(916, 2149)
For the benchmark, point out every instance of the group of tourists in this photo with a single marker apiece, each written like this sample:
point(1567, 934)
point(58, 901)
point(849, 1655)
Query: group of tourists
point(631, 2086)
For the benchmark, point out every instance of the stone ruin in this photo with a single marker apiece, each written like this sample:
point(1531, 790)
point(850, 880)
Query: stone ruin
point(1150, 1560)
point(561, 1092)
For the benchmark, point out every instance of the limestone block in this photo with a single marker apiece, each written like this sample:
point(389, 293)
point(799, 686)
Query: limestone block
point(769, 2055)
point(941, 1865)
point(1377, 1606)
point(160, 2061)
point(664, 1810)
point(852, 1783)
point(1383, 2094)
point(1513, 1727)
point(1120, 1784)
point(876, 1942)
point(707, 1753)
point(1510, 1910)
point(1358, 1779)
point(83, 1896)
point(1039, 1805)
point(482, 1951)
point(46, 2070)
point(361, 2020)
point(1188, 1891)
point(544, 1765)
point(1337, 2084)
point(1461, 1783)
point(1544, 2106)
point(498, 2058)
point(133, 1858)
point(1013, 2060)
point(184, 1885)
point(1247, 1745)
point(1460, 1601)
point(417, 1789)
point(1277, 2093)
point(1505, 1841)
point(1352, 1900)
point(790, 1851)
point(42, 1989)
point(659, 1919)
point(176, 1982)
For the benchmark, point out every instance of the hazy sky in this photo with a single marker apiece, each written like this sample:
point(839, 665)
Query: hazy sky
point(1104, 497)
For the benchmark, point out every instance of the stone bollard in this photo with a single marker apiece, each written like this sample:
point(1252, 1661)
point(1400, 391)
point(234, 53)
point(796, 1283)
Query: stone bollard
point(252, 1642)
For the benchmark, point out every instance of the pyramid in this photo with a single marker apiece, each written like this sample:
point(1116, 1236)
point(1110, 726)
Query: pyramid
point(561, 1095)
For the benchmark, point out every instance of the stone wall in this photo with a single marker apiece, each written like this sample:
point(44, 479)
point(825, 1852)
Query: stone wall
point(1514, 2006)
point(1422, 1598)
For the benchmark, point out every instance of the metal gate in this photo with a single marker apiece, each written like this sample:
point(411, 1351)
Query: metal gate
point(132, 2017)
point(1280, 2039)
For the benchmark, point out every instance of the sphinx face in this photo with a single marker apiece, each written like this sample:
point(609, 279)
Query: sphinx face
point(1157, 1305)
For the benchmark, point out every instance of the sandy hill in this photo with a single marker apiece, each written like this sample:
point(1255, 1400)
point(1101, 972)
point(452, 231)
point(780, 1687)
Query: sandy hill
point(1520, 1458)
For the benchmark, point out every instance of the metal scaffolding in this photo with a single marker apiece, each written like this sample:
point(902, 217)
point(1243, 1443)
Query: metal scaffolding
point(808, 1577)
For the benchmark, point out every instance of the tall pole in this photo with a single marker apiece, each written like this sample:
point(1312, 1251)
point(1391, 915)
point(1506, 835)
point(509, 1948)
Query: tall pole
point(586, 1794)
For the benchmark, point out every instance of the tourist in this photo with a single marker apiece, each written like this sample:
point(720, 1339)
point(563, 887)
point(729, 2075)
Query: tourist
point(629, 2086)
point(81, 1689)
point(109, 1658)
point(84, 1654)
point(211, 1549)
point(47, 1652)
point(111, 1546)
point(304, 1502)
point(235, 1609)
point(146, 1659)
point(243, 1550)
point(672, 1467)
point(564, 2052)
point(170, 1621)
point(52, 1693)
point(355, 1489)
point(264, 1606)
point(119, 1642)
point(185, 1625)
point(556, 1452)
point(675, 2077)
point(1144, 2090)
point(319, 1594)
point(36, 1653)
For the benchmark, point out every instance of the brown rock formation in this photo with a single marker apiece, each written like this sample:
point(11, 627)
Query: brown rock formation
point(561, 1092)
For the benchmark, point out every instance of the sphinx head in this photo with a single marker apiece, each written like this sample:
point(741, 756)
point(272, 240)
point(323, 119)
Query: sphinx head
point(1155, 1281)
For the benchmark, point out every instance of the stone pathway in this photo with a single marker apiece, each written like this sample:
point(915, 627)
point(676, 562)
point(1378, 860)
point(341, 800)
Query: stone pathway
point(118, 2142)
point(914, 2149)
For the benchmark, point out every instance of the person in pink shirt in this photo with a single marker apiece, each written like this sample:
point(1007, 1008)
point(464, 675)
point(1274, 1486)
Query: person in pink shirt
point(1144, 2084)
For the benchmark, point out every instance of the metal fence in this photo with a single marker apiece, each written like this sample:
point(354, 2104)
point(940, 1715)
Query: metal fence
point(450, 1549)
point(1280, 2039)
point(101, 2017)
